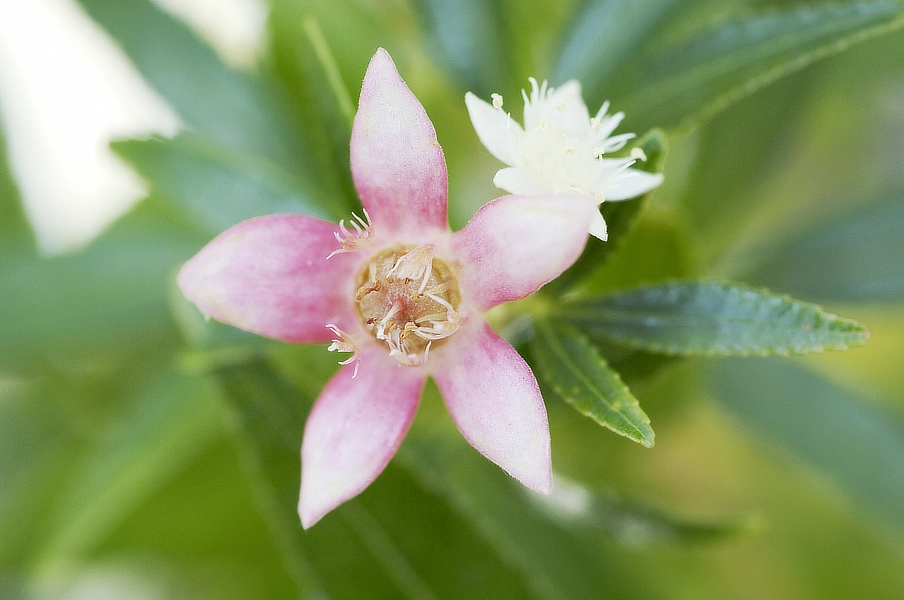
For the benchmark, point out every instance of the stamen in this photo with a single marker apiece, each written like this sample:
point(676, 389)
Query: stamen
point(407, 299)
point(598, 152)
point(343, 343)
point(350, 241)
point(497, 100)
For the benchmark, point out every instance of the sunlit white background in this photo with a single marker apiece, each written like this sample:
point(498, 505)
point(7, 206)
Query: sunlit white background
point(66, 90)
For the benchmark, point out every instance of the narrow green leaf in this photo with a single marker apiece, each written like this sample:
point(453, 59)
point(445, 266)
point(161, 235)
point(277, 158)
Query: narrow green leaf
point(165, 424)
point(621, 217)
point(246, 112)
point(108, 301)
point(712, 318)
point(217, 186)
point(383, 543)
point(694, 79)
point(858, 447)
point(573, 368)
point(603, 35)
point(469, 37)
point(855, 257)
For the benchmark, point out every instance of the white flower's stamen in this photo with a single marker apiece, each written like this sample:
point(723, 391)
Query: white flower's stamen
point(598, 152)
point(343, 343)
point(497, 100)
point(351, 239)
point(408, 299)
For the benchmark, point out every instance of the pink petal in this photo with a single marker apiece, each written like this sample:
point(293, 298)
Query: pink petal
point(516, 244)
point(270, 276)
point(495, 402)
point(397, 164)
point(355, 427)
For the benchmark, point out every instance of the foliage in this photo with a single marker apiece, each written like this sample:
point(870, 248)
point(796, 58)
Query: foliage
point(144, 447)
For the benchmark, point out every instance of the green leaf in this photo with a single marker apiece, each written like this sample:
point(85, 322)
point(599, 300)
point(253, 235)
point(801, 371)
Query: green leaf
point(381, 544)
point(243, 111)
point(14, 227)
point(469, 37)
point(219, 187)
point(711, 318)
point(573, 368)
point(855, 257)
point(835, 431)
point(621, 218)
point(603, 35)
point(167, 422)
point(692, 80)
point(108, 302)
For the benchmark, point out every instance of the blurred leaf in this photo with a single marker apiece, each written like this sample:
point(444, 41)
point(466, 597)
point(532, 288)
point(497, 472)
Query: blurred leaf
point(34, 441)
point(166, 423)
point(243, 111)
point(833, 430)
point(107, 301)
point(621, 218)
point(603, 35)
point(217, 186)
point(724, 193)
point(470, 38)
point(634, 524)
point(382, 544)
point(574, 369)
point(559, 557)
point(711, 318)
point(855, 257)
point(14, 227)
point(692, 80)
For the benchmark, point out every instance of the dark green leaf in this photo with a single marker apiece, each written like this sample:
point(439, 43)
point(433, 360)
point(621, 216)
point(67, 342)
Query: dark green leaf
point(604, 33)
point(694, 79)
point(711, 318)
point(469, 36)
point(856, 257)
point(573, 368)
point(109, 301)
point(861, 449)
point(242, 111)
point(217, 186)
point(621, 217)
point(380, 545)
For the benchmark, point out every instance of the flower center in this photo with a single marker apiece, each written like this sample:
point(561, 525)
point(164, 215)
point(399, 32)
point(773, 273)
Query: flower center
point(409, 299)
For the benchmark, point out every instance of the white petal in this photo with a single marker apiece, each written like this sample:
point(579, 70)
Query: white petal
point(520, 182)
point(630, 184)
point(497, 131)
point(598, 227)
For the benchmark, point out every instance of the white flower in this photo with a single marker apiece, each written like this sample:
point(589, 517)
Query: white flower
point(560, 149)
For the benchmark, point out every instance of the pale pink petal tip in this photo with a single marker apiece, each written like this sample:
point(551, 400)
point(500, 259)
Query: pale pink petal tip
point(495, 402)
point(354, 429)
point(397, 164)
point(516, 244)
point(270, 276)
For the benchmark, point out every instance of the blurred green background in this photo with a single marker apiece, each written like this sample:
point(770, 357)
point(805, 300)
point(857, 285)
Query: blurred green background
point(145, 453)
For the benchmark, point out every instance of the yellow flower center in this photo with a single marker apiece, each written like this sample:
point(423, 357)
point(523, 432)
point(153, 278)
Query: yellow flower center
point(409, 299)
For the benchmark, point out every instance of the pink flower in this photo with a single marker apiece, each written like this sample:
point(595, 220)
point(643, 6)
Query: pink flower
point(404, 295)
